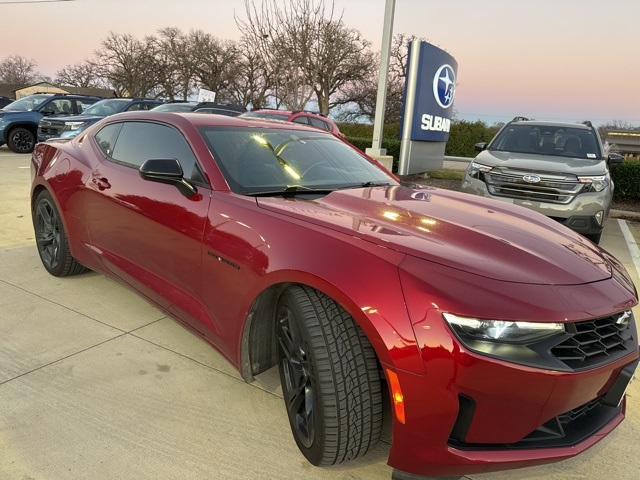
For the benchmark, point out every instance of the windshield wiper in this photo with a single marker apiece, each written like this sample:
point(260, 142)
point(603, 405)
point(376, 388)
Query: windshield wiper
point(291, 190)
point(364, 185)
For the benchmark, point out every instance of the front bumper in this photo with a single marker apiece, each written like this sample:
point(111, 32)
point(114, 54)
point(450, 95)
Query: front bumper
point(474, 411)
point(508, 417)
point(578, 215)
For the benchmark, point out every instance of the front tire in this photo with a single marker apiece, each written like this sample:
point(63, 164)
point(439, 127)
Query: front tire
point(330, 378)
point(21, 140)
point(51, 238)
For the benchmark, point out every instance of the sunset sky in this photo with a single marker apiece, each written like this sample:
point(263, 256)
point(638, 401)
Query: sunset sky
point(552, 59)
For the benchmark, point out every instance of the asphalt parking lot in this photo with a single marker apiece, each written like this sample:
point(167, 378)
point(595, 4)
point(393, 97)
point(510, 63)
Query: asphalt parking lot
point(97, 384)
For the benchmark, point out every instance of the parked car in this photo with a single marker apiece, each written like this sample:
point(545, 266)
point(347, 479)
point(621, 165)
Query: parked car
point(298, 116)
point(557, 169)
point(68, 127)
point(19, 120)
point(4, 101)
point(202, 107)
point(502, 338)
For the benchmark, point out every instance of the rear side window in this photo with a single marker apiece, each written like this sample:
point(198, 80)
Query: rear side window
point(316, 122)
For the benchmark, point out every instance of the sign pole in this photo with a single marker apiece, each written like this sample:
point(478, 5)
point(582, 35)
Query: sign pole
point(376, 149)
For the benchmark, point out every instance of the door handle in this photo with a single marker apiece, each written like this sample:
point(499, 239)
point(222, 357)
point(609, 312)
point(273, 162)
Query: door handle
point(101, 182)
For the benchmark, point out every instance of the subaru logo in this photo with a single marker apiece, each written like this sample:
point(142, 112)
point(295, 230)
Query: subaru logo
point(531, 178)
point(624, 318)
point(444, 86)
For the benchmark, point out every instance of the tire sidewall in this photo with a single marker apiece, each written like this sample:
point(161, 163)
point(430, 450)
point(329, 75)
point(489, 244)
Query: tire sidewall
point(59, 269)
point(315, 452)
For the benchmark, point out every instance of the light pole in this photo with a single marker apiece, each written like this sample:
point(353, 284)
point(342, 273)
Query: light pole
point(376, 149)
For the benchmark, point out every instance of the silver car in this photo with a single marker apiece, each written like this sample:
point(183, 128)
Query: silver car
point(555, 168)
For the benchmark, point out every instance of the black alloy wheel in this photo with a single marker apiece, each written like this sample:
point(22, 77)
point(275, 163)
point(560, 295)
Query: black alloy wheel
point(51, 239)
point(330, 378)
point(21, 140)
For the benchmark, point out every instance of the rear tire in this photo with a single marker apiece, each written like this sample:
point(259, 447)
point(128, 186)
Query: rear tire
point(330, 378)
point(51, 238)
point(21, 140)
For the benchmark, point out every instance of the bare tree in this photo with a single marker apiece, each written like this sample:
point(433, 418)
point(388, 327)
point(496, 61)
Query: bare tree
point(79, 75)
point(271, 48)
point(128, 65)
point(252, 80)
point(311, 50)
point(364, 92)
point(342, 57)
point(215, 63)
point(173, 63)
point(17, 70)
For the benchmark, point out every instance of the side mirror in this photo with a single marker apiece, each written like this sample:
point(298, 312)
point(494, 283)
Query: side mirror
point(47, 111)
point(480, 146)
point(167, 171)
point(615, 159)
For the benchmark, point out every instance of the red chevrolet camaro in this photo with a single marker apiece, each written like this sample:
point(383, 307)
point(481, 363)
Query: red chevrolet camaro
point(502, 338)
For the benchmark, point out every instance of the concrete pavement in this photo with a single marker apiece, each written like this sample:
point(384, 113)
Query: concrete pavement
point(97, 384)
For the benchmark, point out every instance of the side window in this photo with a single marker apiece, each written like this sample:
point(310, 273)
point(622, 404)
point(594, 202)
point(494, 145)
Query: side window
point(142, 141)
point(106, 138)
point(60, 105)
point(316, 122)
point(301, 119)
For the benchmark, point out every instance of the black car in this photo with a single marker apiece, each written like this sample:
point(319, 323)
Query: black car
point(68, 127)
point(4, 101)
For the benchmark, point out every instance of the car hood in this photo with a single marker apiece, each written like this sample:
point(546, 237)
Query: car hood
point(470, 233)
point(76, 118)
point(4, 112)
point(542, 163)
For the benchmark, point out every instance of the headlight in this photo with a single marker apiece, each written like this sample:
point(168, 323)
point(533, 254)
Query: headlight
point(74, 125)
point(595, 184)
point(474, 170)
point(500, 330)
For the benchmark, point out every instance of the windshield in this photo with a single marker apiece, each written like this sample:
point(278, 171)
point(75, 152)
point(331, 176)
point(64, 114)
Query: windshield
point(560, 141)
point(105, 108)
point(273, 116)
point(263, 161)
point(27, 103)
point(175, 107)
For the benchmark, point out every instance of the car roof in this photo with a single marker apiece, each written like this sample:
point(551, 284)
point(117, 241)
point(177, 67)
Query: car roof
point(199, 120)
point(271, 110)
point(543, 123)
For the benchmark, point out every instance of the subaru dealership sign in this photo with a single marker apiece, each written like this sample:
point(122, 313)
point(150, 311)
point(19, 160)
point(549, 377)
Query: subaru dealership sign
point(433, 103)
point(428, 107)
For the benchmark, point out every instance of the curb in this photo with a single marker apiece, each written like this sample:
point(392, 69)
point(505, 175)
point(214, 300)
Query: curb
point(634, 216)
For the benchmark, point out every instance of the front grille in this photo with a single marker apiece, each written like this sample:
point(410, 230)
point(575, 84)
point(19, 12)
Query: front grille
point(565, 430)
point(51, 127)
point(595, 342)
point(568, 417)
point(551, 188)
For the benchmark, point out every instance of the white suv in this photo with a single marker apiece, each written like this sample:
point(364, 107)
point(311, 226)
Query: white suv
point(558, 169)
